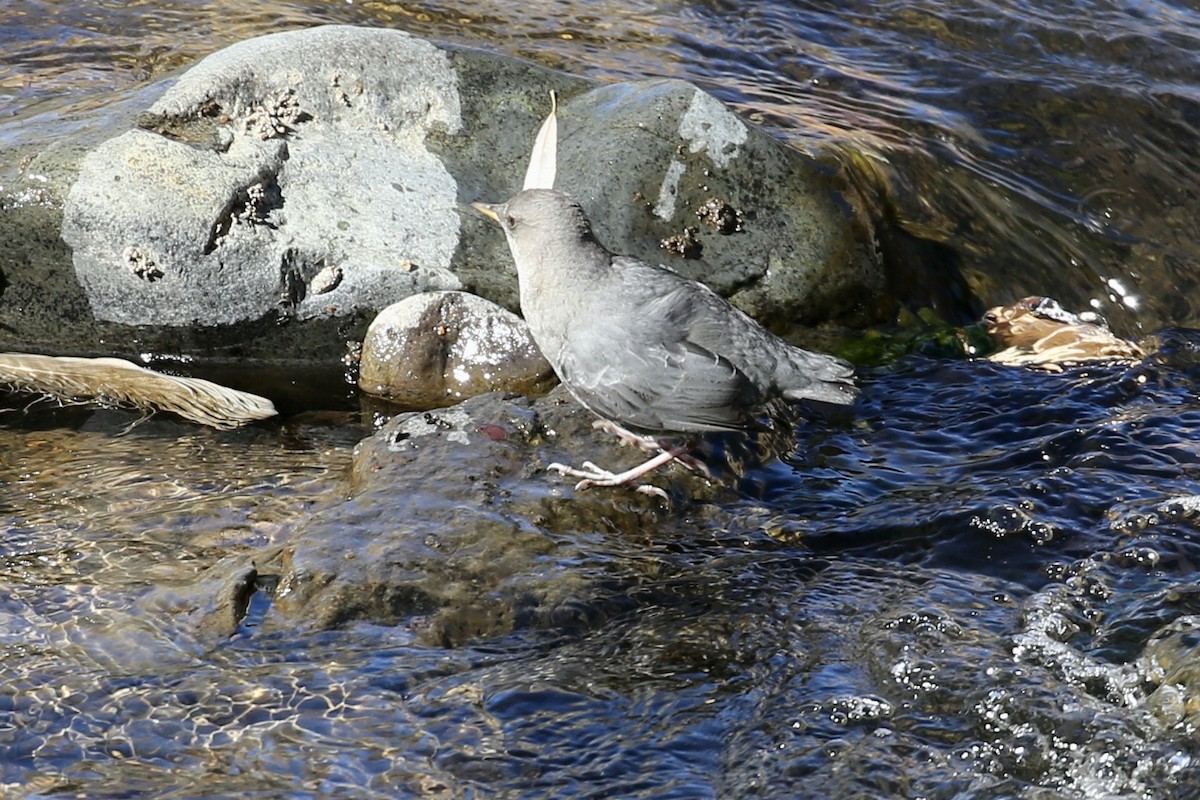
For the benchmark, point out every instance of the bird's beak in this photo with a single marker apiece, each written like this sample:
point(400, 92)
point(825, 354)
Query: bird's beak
point(489, 210)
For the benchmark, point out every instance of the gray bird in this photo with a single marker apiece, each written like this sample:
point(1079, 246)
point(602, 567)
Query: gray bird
point(650, 352)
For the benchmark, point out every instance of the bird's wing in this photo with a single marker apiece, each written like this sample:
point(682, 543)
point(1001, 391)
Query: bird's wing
point(714, 324)
point(647, 377)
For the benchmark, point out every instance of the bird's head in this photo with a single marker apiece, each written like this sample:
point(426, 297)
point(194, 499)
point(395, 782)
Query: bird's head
point(538, 221)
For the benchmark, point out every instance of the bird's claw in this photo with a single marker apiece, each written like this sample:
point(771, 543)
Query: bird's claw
point(593, 475)
point(653, 491)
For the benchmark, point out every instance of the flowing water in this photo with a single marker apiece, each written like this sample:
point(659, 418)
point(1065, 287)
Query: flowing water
point(984, 584)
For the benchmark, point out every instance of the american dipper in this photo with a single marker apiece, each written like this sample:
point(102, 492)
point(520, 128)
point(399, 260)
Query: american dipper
point(650, 352)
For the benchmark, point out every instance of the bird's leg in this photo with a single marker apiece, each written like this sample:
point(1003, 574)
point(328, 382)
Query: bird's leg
point(647, 443)
point(651, 444)
point(593, 475)
point(694, 464)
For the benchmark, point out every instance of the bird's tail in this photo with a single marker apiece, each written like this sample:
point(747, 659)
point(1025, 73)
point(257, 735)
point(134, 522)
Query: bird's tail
point(817, 376)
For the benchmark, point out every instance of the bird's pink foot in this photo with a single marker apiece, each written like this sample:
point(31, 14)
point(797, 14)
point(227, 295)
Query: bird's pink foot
point(592, 475)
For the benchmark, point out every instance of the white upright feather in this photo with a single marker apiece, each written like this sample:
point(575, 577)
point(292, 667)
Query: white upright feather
point(543, 159)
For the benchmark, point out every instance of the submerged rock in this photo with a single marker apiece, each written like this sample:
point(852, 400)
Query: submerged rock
point(454, 525)
point(285, 189)
point(1172, 661)
point(214, 603)
point(438, 348)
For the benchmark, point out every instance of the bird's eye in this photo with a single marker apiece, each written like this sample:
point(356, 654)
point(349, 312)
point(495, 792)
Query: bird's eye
point(510, 221)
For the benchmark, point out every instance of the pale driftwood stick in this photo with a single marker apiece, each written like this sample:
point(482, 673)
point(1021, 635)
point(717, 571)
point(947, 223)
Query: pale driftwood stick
point(116, 382)
point(1071, 346)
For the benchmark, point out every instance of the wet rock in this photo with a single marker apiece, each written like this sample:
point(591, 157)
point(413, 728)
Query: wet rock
point(455, 526)
point(214, 605)
point(285, 189)
point(438, 348)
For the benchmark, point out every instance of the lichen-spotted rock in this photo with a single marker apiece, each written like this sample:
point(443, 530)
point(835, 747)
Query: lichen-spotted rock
point(268, 164)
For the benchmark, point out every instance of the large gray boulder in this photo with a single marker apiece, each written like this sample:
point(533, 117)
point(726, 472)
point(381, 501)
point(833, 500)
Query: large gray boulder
point(301, 153)
point(286, 188)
